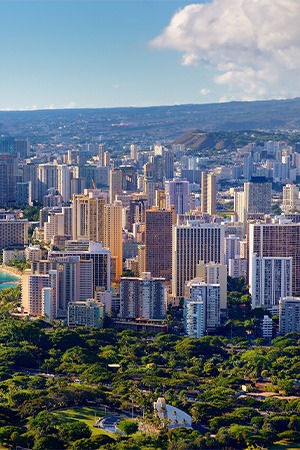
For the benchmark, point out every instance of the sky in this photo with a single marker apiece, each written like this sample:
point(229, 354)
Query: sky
point(113, 53)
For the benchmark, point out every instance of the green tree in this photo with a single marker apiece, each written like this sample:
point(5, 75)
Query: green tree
point(74, 431)
point(128, 426)
point(84, 444)
point(7, 432)
point(49, 442)
point(44, 423)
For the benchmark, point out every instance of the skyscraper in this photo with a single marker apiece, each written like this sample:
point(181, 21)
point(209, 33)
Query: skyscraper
point(142, 297)
point(74, 275)
point(47, 178)
point(8, 179)
point(113, 235)
point(88, 250)
point(214, 273)
point(291, 200)
point(201, 307)
point(248, 166)
point(64, 182)
point(7, 145)
point(289, 315)
point(177, 194)
point(208, 193)
point(149, 184)
point(13, 231)
point(123, 178)
point(232, 247)
point(270, 278)
point(158, 241)
point(258, 195)
point(88, 216)
point(194, 242)
point(277, 239)
point(33, 297)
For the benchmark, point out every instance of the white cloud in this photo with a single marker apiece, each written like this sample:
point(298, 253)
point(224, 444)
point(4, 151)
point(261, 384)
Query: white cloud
point(253, 46)
point(71, 105)
point(205, 91)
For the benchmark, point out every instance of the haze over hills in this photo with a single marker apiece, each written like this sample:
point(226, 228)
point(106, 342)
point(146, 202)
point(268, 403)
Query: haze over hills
point(121, 126)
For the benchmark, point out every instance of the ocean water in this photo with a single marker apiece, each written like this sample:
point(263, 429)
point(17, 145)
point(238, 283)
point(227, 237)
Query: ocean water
point(7, 280)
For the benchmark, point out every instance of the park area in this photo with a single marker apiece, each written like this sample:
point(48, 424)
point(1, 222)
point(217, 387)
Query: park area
point(85, 414)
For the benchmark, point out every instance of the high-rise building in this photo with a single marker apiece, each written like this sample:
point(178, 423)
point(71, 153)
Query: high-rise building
point(248, 166)
point(134, 150)
point(160, 198)
point(101, 155)
point(269, 279)
point(267, 327)
point(208, 193)
point(168, 164)
point(237, 267)
point(291, 200)
point(88, 216)
point(177, 194)
point(13, 232)
point(141, 259)
point(289, 315)
point(113, 235)
point(214, 273)
point(29, 174)
point(277, 239)
point(8, 179)
point(54, 225)
point(106, 159)
point(34, 300)
point(88, 250)
point(23, 194)
point(232, 247)
point(194, 242)
point(67, 212)
point(142, 298)
point(7, 145)
point(149, 184)
point(22, 148)
point(258, 195)
point(239, 205)
point(158, 242)
point(194, 317)
point(136, 210)
point(47, 178)
point(124, 178)
point(64, 182)
point(52, 198)
point(201, 307)
point(75, 278)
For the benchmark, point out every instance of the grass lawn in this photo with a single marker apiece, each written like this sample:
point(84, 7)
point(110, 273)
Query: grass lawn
point(84, 414)
point(284, 445)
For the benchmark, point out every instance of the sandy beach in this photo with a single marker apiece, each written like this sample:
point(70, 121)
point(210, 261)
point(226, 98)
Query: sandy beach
point(11, 271)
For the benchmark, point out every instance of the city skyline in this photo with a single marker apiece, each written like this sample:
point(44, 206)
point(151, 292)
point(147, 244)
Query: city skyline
point(77, 54)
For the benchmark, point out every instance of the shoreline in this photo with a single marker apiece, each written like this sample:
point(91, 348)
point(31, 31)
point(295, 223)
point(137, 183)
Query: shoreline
point(11, 271)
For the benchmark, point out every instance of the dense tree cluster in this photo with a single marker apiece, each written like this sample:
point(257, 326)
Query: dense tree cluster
point(127, 371)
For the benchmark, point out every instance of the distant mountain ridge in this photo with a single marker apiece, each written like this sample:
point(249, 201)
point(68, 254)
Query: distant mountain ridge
point(149, 124)
point(197, 141)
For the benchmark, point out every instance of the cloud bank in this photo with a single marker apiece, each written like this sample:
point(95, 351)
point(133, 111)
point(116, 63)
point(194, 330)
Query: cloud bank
point(253, 46)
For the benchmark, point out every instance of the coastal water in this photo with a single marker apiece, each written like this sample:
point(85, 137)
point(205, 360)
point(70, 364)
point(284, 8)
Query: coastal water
point(7, 280)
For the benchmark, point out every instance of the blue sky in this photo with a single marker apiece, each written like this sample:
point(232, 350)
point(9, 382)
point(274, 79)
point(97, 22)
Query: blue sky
point(57, 54)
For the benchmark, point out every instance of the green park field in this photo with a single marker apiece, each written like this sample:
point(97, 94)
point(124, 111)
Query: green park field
point(84, 414)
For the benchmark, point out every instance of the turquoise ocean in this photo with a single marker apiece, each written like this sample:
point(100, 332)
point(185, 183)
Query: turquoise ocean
point(7, 280)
